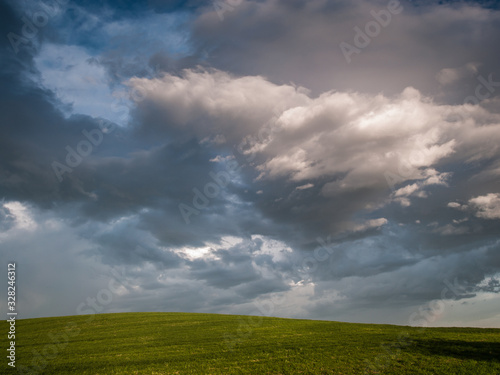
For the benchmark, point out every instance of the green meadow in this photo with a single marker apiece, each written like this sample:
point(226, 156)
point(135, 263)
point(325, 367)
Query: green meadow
point(185, 343)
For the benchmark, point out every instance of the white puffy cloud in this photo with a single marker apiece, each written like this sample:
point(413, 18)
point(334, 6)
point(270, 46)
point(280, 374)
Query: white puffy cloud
point(486, 206)
point(406, 191)
point(303, 187)
point(208, 104)
point(355, 139)
point(374, 223)
point(432, 177)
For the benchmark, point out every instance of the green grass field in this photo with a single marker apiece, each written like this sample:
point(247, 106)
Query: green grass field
point(181, 343)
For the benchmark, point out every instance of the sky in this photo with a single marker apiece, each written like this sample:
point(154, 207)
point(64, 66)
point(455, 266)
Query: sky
point(320, 159)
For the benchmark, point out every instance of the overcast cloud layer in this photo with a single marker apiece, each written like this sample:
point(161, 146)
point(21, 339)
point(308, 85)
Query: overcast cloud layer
point(275, 157)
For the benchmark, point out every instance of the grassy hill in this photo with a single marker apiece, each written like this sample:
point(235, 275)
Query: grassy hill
point(181, 343)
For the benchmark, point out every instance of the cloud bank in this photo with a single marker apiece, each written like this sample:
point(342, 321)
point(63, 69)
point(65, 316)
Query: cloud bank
point(224, 165)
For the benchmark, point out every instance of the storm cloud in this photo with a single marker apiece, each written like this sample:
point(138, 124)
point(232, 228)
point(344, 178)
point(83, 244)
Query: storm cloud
point(214, 160)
